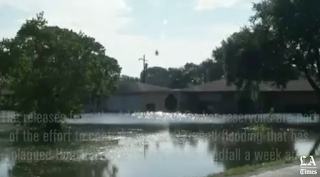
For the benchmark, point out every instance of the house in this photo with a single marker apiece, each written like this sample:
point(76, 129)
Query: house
point(218, 97)
point(211, 97)
point(137, 97)
point(130, 96)
point(297, 97)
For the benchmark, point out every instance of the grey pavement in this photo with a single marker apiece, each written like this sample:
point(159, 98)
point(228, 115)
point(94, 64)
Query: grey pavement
point(292, 171)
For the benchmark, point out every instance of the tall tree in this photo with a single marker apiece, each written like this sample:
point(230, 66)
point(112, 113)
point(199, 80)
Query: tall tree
point(129, 78)
point(281, 44)
point(53, 69)
point(190, 73)
point(211, 70)
point(157, 76)
point(293, 30)
point(295, 23)
point(177, 79)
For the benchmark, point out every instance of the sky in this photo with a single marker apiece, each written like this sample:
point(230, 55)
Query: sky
point(181, 30)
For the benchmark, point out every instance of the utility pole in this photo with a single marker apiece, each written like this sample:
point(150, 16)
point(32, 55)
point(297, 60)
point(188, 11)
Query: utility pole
point(145, 66)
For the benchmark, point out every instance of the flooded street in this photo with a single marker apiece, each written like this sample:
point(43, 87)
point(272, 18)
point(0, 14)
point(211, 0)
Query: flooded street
point(111, 147)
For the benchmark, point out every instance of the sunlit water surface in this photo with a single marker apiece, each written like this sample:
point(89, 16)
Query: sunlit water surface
point(145, 151)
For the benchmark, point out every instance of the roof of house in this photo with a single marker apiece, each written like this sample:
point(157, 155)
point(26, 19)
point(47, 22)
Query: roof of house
point(138, 87)
point(123, 87)
point(294, 85)
point(214, 86)
point(221, 85)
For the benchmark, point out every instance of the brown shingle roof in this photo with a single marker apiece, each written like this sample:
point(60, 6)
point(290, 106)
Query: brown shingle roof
point(138, 87)
point(123, 87)
point(294, 85)
point(221, 85)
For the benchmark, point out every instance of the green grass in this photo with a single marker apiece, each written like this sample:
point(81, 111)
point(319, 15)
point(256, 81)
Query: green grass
point(252, 168)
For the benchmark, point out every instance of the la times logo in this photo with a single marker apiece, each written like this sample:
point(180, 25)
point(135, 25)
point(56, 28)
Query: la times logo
point(308, 168)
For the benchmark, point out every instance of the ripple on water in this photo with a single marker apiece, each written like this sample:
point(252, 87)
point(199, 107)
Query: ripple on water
point(141, 152)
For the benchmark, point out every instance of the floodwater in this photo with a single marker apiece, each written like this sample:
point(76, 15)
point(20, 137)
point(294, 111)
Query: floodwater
point(144, 145)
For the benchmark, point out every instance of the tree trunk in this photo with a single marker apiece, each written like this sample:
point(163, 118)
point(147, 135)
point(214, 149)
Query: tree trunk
point(317, 142)
point(315, 147)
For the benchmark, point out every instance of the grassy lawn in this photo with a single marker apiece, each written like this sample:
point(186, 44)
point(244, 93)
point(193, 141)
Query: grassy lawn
point(253, 168)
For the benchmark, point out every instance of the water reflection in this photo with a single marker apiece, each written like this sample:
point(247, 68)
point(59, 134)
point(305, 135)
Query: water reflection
point(236, 152)
point(240, 153)
point(129, 152)
point(165, 118)
point(58, 168)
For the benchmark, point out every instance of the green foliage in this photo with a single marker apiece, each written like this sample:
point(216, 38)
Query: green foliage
point(190, 73)
point(294, 25)
point(129, 78)
point(52, 69)
point(281, 44)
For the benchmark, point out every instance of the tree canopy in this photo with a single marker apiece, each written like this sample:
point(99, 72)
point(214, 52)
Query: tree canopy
point(189, 74)
point(281, 44)
point(51, 69)
point(129, 78)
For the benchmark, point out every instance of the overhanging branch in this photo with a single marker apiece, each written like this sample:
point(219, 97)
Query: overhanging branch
point(311, 81)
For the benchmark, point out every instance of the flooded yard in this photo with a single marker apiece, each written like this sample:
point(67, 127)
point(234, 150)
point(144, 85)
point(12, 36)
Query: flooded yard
point(105, 145)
